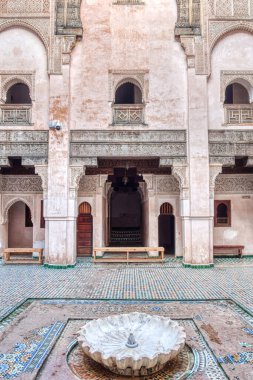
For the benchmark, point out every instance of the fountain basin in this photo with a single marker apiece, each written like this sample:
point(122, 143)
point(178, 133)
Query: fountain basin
point(135, 344)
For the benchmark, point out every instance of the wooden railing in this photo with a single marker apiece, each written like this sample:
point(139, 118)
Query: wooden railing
point(128, 114)
point(15, 114)
point(239, 114)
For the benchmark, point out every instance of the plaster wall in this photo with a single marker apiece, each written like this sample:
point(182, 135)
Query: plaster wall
point(240, 232)
point(21, 50)
point(227, 55)
point(128, 37)
point(19, 236)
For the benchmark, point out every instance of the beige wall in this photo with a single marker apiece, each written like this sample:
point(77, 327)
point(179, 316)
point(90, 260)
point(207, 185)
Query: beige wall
point(241, 230)
point(27, 53)
point(227, 55)
point(19, 236)
point(128, 38)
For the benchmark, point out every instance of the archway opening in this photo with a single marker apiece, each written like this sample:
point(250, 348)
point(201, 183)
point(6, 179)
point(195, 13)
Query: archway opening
point(128, 93)
point(18, 94)
point(84, 230)
point(20, 226)
point(166, 228)
point(126, 218)
point(125, 208)
point(236, 94)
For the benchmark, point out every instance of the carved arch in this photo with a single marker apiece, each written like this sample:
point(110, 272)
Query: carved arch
point(27, 26)
point(14, 200)
point(237, 27)
point(131, 80)
point(8, 83)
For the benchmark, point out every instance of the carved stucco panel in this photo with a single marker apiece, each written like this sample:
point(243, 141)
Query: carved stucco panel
point(234, 184)
point(88, 184)
point(20, 183)
point(167, 184)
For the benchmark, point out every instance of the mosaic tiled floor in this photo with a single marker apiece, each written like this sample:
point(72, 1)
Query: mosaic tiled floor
point(231, 278)
point(37, 341)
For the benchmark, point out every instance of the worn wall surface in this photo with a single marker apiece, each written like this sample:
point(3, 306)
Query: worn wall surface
point(123, 38)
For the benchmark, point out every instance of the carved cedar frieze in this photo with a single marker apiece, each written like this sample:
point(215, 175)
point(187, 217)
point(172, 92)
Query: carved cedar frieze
point(234, 184)
point(20, 183)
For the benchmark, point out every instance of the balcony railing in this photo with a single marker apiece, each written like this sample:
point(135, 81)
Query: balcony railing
point(239, 114)
point(128, 114)
point(13, 114)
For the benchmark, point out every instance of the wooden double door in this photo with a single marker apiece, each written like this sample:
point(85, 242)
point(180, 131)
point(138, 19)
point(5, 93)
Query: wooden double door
point(84, 231)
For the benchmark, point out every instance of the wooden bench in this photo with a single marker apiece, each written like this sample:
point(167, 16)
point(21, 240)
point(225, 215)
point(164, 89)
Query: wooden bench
point(128, 251)
point(22, 251)
point(228, 250)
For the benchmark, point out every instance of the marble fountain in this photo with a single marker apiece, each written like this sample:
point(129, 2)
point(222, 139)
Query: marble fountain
point(134, 345)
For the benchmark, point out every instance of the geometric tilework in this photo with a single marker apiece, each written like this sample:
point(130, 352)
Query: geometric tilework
point(30, 353)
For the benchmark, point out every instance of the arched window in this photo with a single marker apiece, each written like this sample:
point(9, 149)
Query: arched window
point(166, 209)
point(128, 93)
point(222, 214)
point(236, 94)
point(18, 94)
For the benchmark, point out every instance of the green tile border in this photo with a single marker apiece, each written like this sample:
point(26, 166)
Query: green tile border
point(55, 266)
point(198, 266)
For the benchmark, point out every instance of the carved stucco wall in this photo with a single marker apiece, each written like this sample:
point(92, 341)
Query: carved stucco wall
point(234, 184)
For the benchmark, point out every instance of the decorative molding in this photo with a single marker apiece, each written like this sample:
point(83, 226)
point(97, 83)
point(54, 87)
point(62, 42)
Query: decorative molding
point(128, 136)
point(9, 78)
point(21, 183)
point(137, 77)
point(126, 149)
point(214, 171)
point(9, 200)
point(218, 29)
point(76, 173)
point(25, 7)
point(234, 184)
point(68, 18)
point(42, 171)
point(181, 173)
point(230, 143)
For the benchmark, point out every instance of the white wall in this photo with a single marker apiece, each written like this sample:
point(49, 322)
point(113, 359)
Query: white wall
point(241, 230)
point(234, 52)
point(121, 37)
point(21, 50)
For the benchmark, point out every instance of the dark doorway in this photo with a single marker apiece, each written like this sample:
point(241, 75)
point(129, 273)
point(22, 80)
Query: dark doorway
point(125, 218)
point(84, 231)
point(166, 228)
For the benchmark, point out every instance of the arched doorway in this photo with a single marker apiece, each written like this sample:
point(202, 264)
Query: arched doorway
point(84, 230)
point(126, 218)
point(166, 228)
point(20, 226)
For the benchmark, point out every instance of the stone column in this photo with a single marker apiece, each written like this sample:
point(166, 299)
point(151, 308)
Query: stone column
point(3, 227)
point(60, 210)
point(99, 219)
point(198, 240)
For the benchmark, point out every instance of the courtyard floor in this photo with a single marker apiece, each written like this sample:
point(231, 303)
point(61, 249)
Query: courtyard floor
point(42, 309)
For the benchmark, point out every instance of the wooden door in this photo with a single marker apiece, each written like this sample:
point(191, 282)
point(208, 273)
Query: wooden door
point(84, 231)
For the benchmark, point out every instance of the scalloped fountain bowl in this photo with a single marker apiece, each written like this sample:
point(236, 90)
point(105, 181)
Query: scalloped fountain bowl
point(134, 344)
